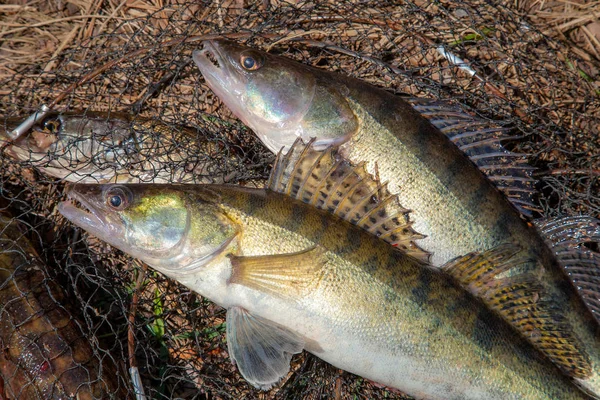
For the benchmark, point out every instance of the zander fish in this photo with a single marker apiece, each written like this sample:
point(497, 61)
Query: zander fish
point(453, 203)
point(114, 147)
point(293, 276)
point(44, 354)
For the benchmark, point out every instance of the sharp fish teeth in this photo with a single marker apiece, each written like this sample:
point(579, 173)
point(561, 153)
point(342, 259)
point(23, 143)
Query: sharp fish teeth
point(210, 56)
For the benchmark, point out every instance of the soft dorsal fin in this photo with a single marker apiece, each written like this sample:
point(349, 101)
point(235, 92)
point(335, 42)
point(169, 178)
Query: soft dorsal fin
point(567, 237)
point(329, 182)
point(522, 301)
point(481, 142)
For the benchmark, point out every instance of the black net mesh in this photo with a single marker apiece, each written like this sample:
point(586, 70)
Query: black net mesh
point(132, 60)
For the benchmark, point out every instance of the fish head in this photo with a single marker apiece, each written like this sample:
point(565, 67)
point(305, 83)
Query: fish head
point(278, 98)
point(75, 146)
point(267, 93)
point(42, 138)
point(57, 131)
point(170, 228)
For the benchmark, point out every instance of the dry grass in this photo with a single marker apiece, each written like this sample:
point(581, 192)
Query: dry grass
point(576, 22)
point(545, 90)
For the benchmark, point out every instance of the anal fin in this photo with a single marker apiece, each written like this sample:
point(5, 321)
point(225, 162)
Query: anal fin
point(261, 349)
point(481, 141)
point(568, 238)
point(524, 303)
point(329, 182)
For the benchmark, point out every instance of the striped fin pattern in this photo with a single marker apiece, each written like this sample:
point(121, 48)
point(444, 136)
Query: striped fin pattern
point(568, 237)
point(261, 349)
point(327, 181)
point(522, 301)
point(290, 276)
point(481, 142)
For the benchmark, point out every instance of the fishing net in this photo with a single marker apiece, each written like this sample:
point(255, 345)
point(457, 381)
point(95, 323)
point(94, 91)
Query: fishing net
point(134, 57)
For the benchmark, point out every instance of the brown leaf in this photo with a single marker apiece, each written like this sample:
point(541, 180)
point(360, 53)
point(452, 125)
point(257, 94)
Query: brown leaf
point(594, 28)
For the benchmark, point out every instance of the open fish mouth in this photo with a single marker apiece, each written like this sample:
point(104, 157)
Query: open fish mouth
point(210, 61)
point(223, 78)
point(17, 149)
point(211, 52)
point(89, 217)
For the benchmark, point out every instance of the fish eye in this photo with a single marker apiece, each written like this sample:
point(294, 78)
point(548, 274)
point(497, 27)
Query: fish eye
point(250, 62)
point(118, 197)
point(51, 125)
point(116, 201)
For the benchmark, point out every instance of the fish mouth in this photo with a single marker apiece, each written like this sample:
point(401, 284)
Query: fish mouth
point(211, 62)
point(91, 218)
point(223, 78)
point(13, 148)
point(32, 146)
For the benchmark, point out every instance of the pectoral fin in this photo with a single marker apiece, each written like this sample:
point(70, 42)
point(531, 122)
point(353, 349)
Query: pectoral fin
point(524, 303)
point(261, 349)
point(291, 276)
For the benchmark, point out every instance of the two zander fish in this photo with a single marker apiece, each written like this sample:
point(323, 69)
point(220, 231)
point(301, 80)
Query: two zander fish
point(432, 156)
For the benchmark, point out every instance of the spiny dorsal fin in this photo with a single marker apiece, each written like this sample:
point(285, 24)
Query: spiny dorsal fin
point(481, 142)
point(329, 182)
point(522, 301)
point(567, 237)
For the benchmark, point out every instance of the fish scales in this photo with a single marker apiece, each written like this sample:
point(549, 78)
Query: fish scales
point(361, 305)
point(451, 201)
point(45, 355)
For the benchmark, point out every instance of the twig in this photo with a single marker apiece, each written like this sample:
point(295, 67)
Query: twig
point(133, 370)
point(111, 16)
point(60, 48)
point(292, 36)
point(593, 172)
point(571, 24)
point(96, 8)
point(590, 37)
point(154, 88)
point(351, 53)
point(15, 7)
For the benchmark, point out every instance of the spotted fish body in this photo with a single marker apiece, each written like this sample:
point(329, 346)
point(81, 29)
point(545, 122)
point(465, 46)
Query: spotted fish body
point(452, 202)
point(293, 277)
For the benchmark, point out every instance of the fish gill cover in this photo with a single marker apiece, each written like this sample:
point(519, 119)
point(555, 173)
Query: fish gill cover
point(134, 57)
